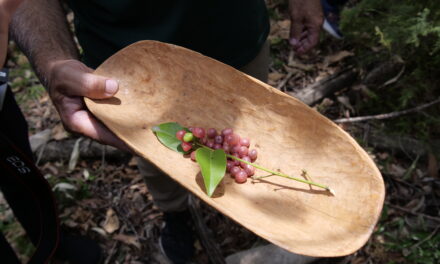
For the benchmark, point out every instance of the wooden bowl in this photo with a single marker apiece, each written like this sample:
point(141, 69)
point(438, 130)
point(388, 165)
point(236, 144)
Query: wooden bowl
point(165, 83)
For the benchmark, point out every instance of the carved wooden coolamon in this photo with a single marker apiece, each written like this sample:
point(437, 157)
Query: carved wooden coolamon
point(161, 83)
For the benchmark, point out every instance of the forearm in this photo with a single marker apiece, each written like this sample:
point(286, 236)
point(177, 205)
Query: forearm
point(40, 29)
point(3, 46)
point(4, 25)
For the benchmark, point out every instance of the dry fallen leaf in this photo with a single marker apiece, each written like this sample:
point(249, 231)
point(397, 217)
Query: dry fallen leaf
point(129, 240)
point(39, 139)
point(74, 155)
point(280, 29)
point(292, 62)
point(58, 132)
point(274, 77)
point(396, 170)
point(111, 223)
point(99, 231)
point(338, 57)
point(132, 162)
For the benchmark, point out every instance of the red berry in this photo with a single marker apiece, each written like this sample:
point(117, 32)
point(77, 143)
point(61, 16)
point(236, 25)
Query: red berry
point(253, 154)
point(249, 169)
point(245, 158)
point(234, 170)
point(211, 132)
point(186, 146)
point(245, 142)
point(236, 149)
point(243, 151)
point(241, 177)
point(210, 144)
point(180, 134)
point(229, 165)
point(227, 131)
point(217, 146)
point(218, 139)
point(199, 132)
point(226, 147)
point(193, 156)
point(232, 139)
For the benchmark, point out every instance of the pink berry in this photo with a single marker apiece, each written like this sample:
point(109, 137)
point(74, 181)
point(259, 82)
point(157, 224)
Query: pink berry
point(203, 141)
point(180, 134)
point(218, 146)
point(253, 154)
point(249, 169)
point(191, 129)
point(229, 165)
point(227, 131)
point(211, 132)
point(243, 151)
point(186, 146)
point(232, 139)
point(193, 156)
point(241, 177)
point(210, 144)
point(218, 139)
point(234, 170)
point(245, 142)
point(226, 147)
point(199, 132)
point(245, 158)
point(236, 149)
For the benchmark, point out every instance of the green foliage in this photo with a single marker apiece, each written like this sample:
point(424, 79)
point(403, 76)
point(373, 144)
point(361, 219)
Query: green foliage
point(409, 30)
point(166, 133)
point(421, 246)
point(212, 162)
point(213, 166)
point(403, 27)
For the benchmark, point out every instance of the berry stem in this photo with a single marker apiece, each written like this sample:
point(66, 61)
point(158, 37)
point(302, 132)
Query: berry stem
point(275, 173)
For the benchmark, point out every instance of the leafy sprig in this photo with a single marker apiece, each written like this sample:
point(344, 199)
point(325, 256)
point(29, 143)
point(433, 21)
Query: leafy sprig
point(213, 162)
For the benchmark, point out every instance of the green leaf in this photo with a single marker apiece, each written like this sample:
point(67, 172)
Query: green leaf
point(166, 133)
point(213, 166)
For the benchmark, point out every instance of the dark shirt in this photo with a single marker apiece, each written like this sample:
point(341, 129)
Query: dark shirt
point(232, 31)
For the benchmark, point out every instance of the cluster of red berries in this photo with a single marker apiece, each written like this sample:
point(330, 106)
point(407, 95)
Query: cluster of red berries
point(227, 140)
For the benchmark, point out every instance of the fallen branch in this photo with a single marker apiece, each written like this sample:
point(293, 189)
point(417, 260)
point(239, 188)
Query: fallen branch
point(318, 91)
point(387, 115)
point(88, 149)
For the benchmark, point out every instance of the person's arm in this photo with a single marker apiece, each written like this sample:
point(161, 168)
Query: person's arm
point(306, 20)
point(7, 9)
point(41, 31)
point(3, 41)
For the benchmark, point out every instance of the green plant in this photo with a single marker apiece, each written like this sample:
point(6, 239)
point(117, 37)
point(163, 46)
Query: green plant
point(212, 162)
point(421, 246)
point(409, 30)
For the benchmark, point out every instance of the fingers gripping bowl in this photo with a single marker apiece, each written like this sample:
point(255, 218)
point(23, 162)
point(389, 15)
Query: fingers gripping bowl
point(165, 83)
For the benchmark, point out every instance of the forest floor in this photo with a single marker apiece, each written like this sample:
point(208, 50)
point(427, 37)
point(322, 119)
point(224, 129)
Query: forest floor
point(109, 202)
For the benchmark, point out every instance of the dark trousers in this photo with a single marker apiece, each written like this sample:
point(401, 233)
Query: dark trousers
point(14, 127)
